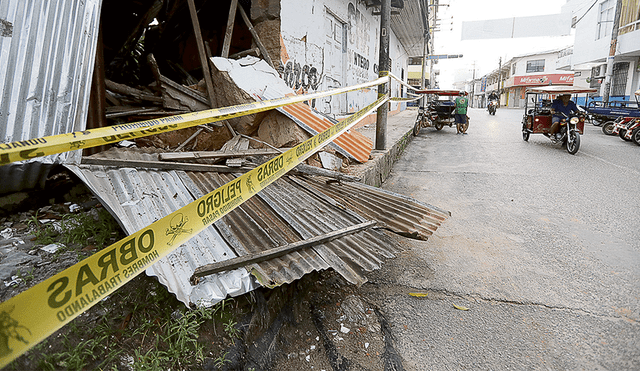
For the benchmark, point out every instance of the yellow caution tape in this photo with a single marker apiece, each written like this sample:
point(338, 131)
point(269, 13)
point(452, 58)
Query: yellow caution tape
point(32, 148)
point(31, 316)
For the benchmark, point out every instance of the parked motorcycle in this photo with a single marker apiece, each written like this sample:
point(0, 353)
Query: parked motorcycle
point(609, 127)
point(631, 131)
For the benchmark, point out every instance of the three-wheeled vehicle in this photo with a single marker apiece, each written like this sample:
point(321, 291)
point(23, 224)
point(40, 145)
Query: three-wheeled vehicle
point(439, 109)
point(538, 118)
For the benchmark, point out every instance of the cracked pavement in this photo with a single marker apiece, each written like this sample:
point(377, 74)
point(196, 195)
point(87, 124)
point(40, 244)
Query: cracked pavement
point(541, 252)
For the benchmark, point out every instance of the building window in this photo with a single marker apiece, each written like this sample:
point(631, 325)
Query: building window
point(619, 79)
point(513, 69)
point(605, 19)
point(535, 66)
point(596, 77)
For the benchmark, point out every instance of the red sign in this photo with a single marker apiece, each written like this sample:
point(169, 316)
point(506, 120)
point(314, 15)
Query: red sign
point(550, 79)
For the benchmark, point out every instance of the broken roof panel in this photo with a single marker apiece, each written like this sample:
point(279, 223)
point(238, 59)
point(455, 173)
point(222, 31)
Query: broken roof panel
point(287, 211)
point(137, 198)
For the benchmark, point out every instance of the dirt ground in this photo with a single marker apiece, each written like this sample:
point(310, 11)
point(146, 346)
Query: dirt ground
point(320, 322)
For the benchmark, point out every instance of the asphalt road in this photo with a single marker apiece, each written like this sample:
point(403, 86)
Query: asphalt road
point(542, 247)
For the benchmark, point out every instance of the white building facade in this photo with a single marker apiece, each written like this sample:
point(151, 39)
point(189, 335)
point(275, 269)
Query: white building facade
point(332, 43)
point(592, 40)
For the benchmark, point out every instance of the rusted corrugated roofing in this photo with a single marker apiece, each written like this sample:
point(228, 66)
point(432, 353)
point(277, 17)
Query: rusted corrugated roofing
point(351, 144)
point(401, 214)
point(289, 210)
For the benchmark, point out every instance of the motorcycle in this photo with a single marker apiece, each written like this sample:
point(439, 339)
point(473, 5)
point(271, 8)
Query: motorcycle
point(631, 132)
point(492, 107)
point(624, 128)
point(609, 127)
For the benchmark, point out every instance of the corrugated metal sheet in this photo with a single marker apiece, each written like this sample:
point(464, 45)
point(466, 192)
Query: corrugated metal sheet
point(289, 210)
point(46, 60)
point(351, 144)
point(137, 198)
point(399, 213)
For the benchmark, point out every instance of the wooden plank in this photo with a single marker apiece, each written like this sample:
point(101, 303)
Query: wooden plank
point(230, 23)
point(254, 52)
point(245, 260)
point(133, 92)
point(169, 165)
point(218, 154)
point(201, 52)
point(139, 164)
point(263, 50)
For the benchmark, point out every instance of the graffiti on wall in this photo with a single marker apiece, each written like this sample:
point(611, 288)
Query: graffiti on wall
point(360, 61)
point(297, 76)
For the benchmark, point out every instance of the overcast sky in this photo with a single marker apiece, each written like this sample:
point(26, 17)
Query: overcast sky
point(486, 53)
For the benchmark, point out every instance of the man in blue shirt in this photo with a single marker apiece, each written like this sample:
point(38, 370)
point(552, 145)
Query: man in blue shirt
point(562, 104)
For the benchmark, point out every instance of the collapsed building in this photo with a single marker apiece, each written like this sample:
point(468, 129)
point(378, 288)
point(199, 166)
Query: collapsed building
point(75, 66)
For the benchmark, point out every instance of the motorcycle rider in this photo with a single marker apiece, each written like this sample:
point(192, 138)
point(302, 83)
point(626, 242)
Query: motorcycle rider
point(493, 96)
point(561, 105)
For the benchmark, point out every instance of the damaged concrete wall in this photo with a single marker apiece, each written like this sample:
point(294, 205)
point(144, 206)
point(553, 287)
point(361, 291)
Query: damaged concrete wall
point(332, 43)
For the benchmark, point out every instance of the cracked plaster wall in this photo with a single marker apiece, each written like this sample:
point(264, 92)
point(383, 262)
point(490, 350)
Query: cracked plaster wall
point(307, 59)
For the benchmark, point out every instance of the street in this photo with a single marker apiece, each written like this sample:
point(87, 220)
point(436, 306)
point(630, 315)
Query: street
point(542, 248)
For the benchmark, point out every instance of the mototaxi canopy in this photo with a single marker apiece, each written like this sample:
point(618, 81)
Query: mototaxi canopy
point(446, 93)
point(560, 89)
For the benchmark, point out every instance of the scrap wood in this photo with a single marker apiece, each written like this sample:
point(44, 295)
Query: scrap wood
point(245, 260)
point(132, 92)
point(255, 52)
point(263, 50)
point(230, 22)
point(140, 164)
point(171, 156)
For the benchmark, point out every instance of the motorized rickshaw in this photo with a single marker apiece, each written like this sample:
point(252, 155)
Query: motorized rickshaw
point(538, 118)
point(439, 110)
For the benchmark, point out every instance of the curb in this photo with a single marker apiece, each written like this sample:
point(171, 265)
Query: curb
point(378, 168)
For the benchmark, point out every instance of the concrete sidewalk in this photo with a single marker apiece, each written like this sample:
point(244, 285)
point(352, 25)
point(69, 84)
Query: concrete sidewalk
point(399, 133)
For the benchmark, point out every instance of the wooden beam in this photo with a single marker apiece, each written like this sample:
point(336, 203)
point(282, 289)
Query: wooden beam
point(230, 23)
point(245, 260)
point(318, 171)
point(139, 164)
point(201, 52)
point(256, 38)
point(204, 60)
point(238, 55)
point(133, 92)
point(170, 165)
point(170, 156)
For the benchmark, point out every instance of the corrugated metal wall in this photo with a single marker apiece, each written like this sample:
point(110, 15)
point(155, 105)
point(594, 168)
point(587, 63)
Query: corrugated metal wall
point(47, 53)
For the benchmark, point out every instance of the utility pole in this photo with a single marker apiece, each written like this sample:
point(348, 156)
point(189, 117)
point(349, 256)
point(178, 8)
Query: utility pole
point(383, 70)
point(473, 84)
point(425, 49)
point(499, 80)
point(612, 52)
